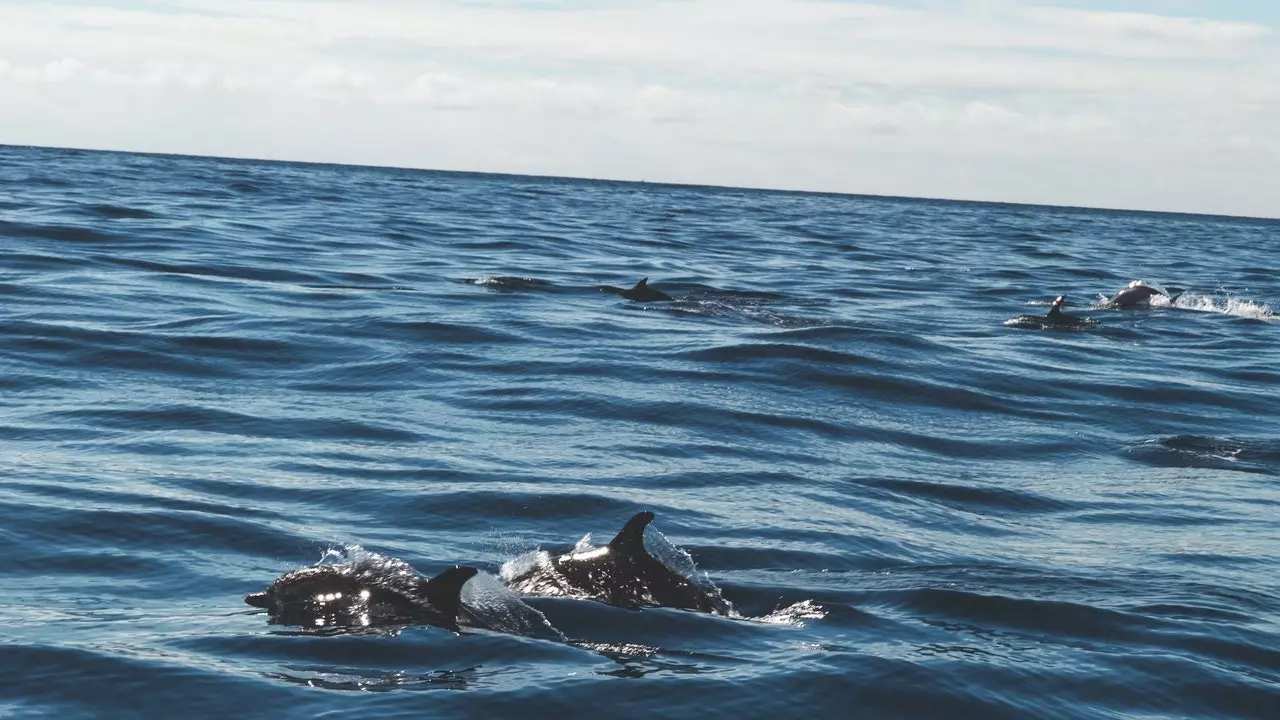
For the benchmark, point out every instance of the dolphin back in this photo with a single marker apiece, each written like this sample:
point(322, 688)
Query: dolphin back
point(630, 539)
point(444, 592)
point(643, 293)
point(652, 580)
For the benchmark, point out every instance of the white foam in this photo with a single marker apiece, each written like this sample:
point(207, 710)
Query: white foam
point(794, 614)
point(584, 545)
point(1226, 305)
point(522, 564)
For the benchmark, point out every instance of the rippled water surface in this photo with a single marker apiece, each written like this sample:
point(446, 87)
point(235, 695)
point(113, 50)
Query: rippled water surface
point(216, 371)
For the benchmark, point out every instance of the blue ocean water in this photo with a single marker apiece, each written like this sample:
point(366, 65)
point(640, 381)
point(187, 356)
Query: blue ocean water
point(215, 371)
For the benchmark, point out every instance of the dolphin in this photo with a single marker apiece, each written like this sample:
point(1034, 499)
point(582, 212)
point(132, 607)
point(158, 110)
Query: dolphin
point(641, 292)
point(622, 574)
point(1138, 293)
point(1055, 318)
point(346, 596)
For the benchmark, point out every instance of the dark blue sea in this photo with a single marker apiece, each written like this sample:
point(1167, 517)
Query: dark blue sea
point(216, 371)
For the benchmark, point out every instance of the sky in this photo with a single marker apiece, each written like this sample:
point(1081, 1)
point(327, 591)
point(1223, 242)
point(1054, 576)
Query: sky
point(1139, 104)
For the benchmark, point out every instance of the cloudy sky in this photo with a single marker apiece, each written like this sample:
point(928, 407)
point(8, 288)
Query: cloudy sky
point(1151, 104)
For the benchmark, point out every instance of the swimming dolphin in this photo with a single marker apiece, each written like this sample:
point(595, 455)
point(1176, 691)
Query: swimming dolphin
point(640, 293)
point(1055, 318)
point(1138, 293)
point(343, 596)
point(622, 574)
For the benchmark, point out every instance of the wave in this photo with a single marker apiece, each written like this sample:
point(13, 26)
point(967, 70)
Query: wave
point(118, 212)
point(211, 369)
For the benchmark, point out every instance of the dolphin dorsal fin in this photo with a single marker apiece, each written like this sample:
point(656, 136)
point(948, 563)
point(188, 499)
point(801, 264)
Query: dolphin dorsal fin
point(444, 591)
point(644, 283)
point(630, 539)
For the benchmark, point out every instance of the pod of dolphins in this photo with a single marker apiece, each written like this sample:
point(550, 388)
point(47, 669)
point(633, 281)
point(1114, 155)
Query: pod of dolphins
point(622, 574)
point(1137, 294)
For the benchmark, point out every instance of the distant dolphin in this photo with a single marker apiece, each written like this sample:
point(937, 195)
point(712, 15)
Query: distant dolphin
point(1138, 293)
point(623, 574)
point(1055, 318)
point(336, 596)
point(640, 293)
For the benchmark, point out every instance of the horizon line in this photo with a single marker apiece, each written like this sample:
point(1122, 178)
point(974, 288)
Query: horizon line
point(660, 183)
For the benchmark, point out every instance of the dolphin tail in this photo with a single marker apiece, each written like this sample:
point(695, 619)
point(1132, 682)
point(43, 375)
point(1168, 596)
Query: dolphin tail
point(630, 539)
point(444, 592)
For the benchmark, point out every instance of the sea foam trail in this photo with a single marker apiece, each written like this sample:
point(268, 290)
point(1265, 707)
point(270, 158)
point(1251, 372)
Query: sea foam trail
point(1225, 304)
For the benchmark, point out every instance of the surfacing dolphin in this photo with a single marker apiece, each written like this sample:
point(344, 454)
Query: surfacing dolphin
point(1055, 318)
point(329, 596)
point(641, 292)
point(622, 573)
point(1138, 293)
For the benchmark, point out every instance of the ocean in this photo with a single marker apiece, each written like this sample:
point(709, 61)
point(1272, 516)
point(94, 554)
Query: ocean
point(215, 371)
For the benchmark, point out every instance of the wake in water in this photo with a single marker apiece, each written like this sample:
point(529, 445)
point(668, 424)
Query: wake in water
point(1225, 304)
point(1254, 455)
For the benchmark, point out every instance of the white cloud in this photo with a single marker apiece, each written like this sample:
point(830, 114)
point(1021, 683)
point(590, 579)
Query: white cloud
point(965, 121)
point(49, 72)
point(437, 89)
point(1147, 27)
point(764, 92)
point(334, 82)
point(662, 104)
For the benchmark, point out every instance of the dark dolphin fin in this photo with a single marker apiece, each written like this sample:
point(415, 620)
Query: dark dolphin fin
point(641, 292)
point(630, 539)
point(1173, 297)
point(444, 592)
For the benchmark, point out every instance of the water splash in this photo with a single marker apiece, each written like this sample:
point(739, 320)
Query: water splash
point(356, 560)
point(509, 283)
point(1226, 304)
point(489, 604)
point(1035, 322)
point(794, 614)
